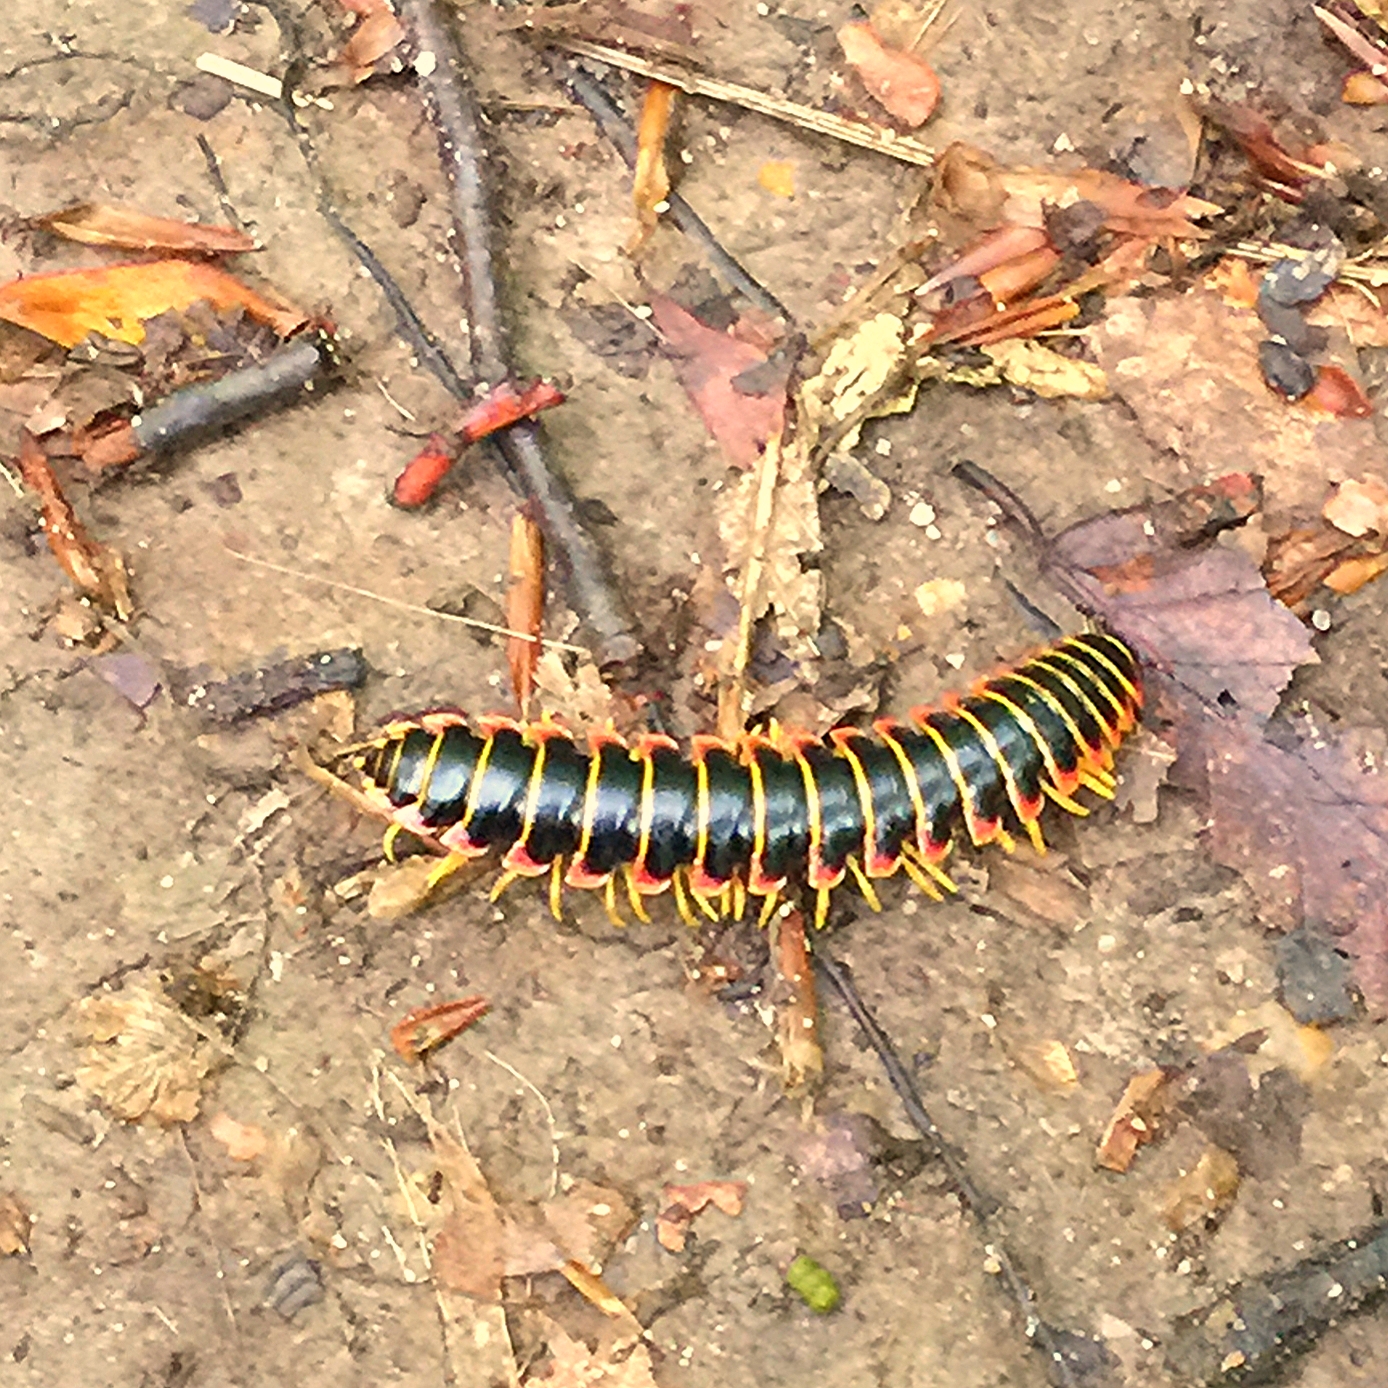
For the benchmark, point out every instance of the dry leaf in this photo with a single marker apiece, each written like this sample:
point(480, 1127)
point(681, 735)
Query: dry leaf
point(574, 1365)
point(96, 569)
point(778, 176)
point(708, 363)
point(1046, 373)
point(672, 1224)
point(1205, 1191)
point(147, 1059)
point(425, 1029)
point(905, 84)
point(525, 605)
point(375, 37)
point(1136, 1121)
point(1358, 508)
point(14, 1225)
point(651, 179)
point(116, 300)
point(468, 1250)
point(95, 224)
point(243, 1141)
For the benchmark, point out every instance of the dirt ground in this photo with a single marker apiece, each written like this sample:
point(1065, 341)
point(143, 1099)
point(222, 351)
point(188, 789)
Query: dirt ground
point(141, 846)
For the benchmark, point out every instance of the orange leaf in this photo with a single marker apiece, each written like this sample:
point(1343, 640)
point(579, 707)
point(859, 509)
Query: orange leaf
point(377, 34)
point(427, 1028)
point(1363, 89)
point(1338, 394)
point(778, 176)
point(525, 605)
point(95, 224)
point(905, 84)
point(116, 299)
point(651, 185)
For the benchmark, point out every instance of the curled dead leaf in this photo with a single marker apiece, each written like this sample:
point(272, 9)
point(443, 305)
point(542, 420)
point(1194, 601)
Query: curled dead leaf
point(672, 1224)
point(1136, 1121)
point(95, 224)
point(425, 1029)
point(905, 84)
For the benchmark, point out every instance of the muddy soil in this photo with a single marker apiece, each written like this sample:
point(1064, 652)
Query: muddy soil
point(144, 845)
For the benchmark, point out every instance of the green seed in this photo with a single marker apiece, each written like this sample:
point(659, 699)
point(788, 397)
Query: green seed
point(813, 1284)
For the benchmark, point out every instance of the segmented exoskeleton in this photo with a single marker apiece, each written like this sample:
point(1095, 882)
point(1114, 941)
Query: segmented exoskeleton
point(731, 819)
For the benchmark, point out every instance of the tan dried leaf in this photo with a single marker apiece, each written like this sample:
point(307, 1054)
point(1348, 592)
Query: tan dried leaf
point(14, 1224)
point(1209, 1188)
point(243, 1141)
point(147, 1059)
point(1135, 1121)
point(1358, 508)
point(1045, 372)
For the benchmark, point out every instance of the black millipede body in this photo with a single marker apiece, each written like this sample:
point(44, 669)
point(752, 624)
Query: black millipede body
point(729, 819)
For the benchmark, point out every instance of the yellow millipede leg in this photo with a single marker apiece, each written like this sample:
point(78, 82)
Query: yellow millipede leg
point(637, 905)
point(609, 897)
point(821, 907)
point(921, 880)
point(556, 888)
point(739, 894)
point(445, 867)
point(682, 900)
point(768, 909)
point(1064, 801)
point(498, 886)
point(388, 843)
point(913, 854)
point(1033, 829)
point(868, 890)
point(1091, 781)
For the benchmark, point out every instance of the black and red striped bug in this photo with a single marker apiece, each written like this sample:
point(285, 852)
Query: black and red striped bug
point(729, 820)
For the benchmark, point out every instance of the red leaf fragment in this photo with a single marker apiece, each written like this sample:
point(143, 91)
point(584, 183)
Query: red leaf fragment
point(501, 407)
point(708, 362)
point(1338, 394)
point(427, 1028)
point(904, 83)
point(421, 476)
point(672, 1224)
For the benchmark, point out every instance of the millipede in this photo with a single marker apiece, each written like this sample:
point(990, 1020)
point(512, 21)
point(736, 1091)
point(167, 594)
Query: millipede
point(730, 820)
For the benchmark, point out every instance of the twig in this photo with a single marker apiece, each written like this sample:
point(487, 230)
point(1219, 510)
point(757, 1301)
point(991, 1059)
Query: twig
point(476, 623)
point(198, 409)
point(593, 97)
point(453, 108)
point(877, 138)
point(981, 1207)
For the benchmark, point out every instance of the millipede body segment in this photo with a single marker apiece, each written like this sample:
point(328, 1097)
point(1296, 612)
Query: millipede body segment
point(728, 820)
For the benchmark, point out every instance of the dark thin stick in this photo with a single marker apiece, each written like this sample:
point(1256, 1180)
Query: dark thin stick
point(980, 1206)
point(593, 97)
point(453, 108)
point(219, 183)
point(422, 342)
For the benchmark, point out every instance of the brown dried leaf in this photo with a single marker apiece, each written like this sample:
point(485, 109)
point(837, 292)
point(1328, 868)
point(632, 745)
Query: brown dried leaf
point(96, 224)
point(1136, 1121)
point(425, 1029)
point(147, 1059)
point(905, 84)
point(651, 179)
point(374, 38)
point(96, 569)
point(672, 1224)
point(707, 363)
point(1188, 369)
point(525, 605)
point(15, 1223)
point(1204, 1192)
point(468, 1250)
point(626, 1364)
